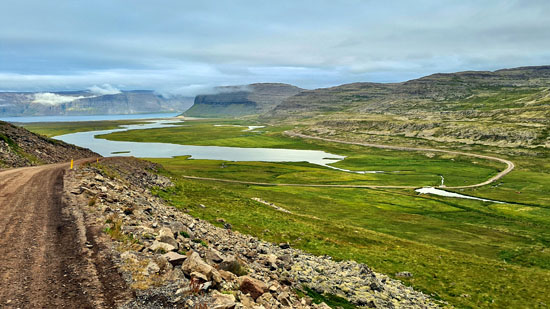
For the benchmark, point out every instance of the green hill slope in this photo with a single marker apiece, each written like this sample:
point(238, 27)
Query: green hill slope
point(503, 108)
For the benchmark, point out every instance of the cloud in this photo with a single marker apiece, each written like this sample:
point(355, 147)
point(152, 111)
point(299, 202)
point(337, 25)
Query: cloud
point(104, 90)
point(48, 98)
point(187, 90)
point(184, 46)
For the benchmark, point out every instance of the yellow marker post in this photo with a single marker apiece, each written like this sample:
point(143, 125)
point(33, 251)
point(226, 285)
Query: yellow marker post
point(72, 162)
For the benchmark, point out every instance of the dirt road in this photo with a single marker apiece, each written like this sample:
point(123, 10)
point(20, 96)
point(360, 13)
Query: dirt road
point(47, 257)
point(509, 164)
point(509, 167)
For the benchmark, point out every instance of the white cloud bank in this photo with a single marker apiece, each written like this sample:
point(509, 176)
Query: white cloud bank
point(104, 89)
point(49, 98)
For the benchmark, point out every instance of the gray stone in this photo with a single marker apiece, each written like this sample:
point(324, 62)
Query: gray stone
point(222, 301)
point(175, 258)
point(161, 246)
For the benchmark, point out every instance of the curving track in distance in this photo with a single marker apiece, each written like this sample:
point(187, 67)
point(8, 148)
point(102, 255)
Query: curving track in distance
point(509, 167)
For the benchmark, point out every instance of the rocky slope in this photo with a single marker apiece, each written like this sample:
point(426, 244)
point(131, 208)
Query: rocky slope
point(170, 259)
point(503, 108)
point(20, 147)
point(88, 103)
point(241, 100)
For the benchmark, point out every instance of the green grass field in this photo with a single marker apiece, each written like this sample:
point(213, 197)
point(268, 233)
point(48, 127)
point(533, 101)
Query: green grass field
point(470, 253)
point(401, 167)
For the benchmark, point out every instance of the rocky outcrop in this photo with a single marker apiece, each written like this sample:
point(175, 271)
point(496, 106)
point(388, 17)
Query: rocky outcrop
point(236, 101)
point(210, 267)
point(508, 108)
point(20, 147)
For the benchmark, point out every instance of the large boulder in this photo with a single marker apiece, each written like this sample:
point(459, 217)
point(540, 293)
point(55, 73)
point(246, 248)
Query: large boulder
point(222, 301)
point(254, 287)
point(175, 258)
point(161, 246)
point(194, 264)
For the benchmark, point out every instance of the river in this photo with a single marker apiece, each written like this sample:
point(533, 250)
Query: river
point(166, 150)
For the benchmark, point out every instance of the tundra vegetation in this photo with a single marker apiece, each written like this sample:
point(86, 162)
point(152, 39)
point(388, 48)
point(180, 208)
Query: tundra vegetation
point(469, 253)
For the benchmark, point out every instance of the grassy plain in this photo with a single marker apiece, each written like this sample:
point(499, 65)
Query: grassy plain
point(470, 253)
point(401, 167)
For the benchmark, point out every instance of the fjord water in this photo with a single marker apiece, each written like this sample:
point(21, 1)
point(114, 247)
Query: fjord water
point(165, 150)
point(29, 119)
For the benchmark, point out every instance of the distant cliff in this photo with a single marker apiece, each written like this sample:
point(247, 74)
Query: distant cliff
point(237, 101)
point(88, 103)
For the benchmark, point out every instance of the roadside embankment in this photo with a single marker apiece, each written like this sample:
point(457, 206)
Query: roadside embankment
point(20, 147)
point(170, 259)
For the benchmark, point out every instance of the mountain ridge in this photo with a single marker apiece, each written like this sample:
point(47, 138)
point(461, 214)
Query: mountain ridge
point(509, 107)
point(80, 102)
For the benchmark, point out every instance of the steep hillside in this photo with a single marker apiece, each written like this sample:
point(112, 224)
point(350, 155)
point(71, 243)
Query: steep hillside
point(507, 107)
point(19, 147)
point(236, 101)
point(88, 103)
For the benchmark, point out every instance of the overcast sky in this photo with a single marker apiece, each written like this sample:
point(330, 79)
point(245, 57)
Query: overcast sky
point(179, 46)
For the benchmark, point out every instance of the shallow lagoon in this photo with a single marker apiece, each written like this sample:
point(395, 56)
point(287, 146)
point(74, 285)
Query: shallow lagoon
point(165, 150)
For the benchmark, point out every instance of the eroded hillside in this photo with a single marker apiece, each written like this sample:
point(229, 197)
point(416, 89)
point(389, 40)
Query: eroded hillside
point(20, 147)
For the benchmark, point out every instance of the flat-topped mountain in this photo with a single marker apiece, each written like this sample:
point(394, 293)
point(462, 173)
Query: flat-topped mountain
point(241, 100)
point(89, 103)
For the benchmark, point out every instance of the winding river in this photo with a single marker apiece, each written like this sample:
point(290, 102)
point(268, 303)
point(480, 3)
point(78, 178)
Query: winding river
point(166, 150)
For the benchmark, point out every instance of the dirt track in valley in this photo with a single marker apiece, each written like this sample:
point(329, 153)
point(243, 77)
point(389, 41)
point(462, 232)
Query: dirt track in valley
point(509, 164)
point(509, 167)
point(48, 258)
